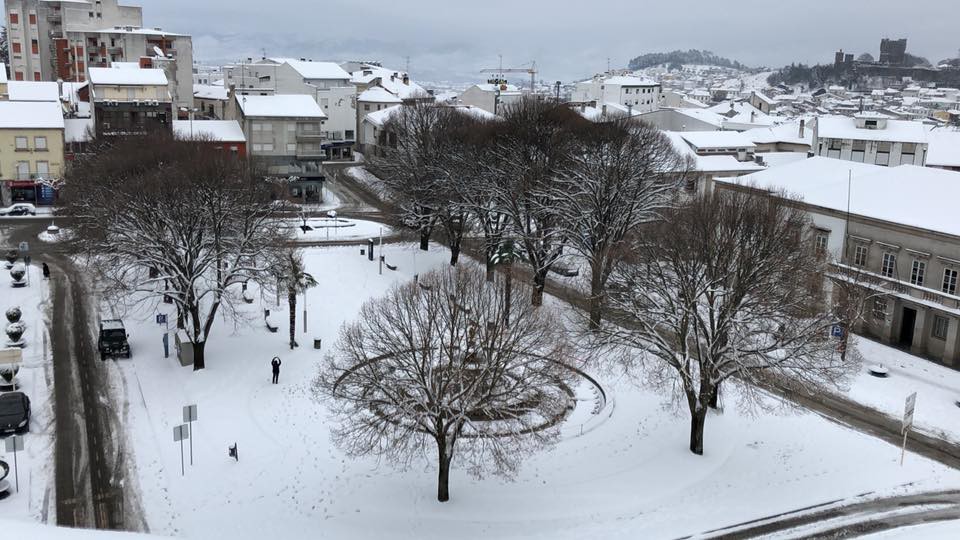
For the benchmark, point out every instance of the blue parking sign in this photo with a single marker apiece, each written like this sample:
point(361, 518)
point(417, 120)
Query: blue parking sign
point(836, 331)
point(161, 318)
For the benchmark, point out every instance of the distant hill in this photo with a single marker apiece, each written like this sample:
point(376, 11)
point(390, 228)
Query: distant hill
point(675, 58)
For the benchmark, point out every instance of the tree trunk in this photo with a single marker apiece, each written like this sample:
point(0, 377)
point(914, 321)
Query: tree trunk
point(425, 239)
point(292, 302)
point(715, 396)
point(697, 421)
point(454, 252)
point(508, 294)
point(199, 362)
point(443, 479)
point(491, 269)
point(539, 283)
point(596, 298)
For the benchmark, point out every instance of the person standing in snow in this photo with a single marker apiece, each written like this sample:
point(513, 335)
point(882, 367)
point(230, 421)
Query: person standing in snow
point(276, 369)
point(46, 271)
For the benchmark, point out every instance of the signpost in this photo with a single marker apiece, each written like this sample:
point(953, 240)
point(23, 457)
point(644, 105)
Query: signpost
point(189, 417)
point(162, 319)
point(836, 331)
point(909, 406)
point(15, 444)
point(180, 433)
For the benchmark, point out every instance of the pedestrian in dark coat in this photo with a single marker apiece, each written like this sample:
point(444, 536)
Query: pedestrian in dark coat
point(276, 369)
point(46, 271)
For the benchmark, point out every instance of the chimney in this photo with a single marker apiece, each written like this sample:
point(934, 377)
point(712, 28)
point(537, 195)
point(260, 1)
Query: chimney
point(393, 77)
point(406, 79)
point(753, 116)
point(803, 125)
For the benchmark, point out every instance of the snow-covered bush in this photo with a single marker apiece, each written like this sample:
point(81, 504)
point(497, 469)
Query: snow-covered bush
point(15, 331)
point(8, 372)
point(14, 314)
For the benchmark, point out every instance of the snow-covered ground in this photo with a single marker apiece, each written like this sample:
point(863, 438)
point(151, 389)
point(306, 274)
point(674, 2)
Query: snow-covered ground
point(337, 230)
point(628, 476)
point(34, 531)
point(943, 530)
point(937, 388)
point(35, 500)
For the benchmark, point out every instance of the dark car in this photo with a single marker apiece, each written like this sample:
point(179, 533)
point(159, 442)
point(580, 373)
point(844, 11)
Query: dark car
point(113, 340)
point(14, 413)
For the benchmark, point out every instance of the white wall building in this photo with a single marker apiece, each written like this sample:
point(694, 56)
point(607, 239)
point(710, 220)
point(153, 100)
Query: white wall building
point(636, 93)
point(871, 138)
point(491, 97)
point(284, 133)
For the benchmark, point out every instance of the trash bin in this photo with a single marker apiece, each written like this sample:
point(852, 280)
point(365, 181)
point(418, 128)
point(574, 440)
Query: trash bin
point(317, 343)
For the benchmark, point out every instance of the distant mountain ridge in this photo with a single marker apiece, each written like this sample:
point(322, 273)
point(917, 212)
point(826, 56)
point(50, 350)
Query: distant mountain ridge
point(693, 56)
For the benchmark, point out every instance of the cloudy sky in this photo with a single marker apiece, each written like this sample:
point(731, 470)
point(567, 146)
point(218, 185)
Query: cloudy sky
point(454, 40)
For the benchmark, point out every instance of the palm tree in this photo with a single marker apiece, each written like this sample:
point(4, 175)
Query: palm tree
point(297, 280)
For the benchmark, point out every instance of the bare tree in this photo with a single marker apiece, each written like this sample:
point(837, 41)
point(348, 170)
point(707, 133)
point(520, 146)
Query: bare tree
point(407, 164)
point(624, 173)
point(855, 292)
point(434, 364)
point(727, 286)
point(161, 218)
point(533, 145)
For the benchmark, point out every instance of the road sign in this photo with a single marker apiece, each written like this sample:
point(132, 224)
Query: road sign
point(180, 433)
point(190, 413)
point(836, 331)
point(14, 443)
point(161, 318)
point(908, 408)
point(13, 355)
point(24, 247)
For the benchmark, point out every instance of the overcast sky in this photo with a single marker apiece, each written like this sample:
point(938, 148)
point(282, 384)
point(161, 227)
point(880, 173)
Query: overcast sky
point(446, 39)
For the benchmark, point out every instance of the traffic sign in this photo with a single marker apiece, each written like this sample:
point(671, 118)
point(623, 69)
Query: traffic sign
point(161, 318)
point(24, 247)
point(180, 433)
point(190, 413)
point(836, 331)
point(908, 407)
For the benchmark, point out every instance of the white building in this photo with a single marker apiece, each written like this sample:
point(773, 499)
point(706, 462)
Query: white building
point(871, 138)
point(284, 133)
point(491, 97)
point(636, 93)
point(326, 82)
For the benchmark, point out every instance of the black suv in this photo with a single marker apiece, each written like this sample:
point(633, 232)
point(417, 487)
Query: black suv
point(14, 413)
point(113, 340)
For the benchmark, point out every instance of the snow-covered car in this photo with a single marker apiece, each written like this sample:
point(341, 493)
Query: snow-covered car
point(19, 209)
point(14, 413)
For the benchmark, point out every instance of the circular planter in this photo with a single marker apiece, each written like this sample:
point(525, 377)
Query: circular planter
point(13, 314)
point(878, 370)
point(15, 331)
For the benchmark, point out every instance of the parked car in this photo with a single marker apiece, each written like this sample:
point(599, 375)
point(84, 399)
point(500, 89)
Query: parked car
point(14, 413)
point(19, 209)
point(113, 339)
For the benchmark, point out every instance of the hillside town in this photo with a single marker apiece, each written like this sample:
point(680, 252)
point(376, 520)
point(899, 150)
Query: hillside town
point(667, 300)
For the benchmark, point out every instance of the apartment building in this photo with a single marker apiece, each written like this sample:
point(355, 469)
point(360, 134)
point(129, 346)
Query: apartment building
point(901, 232)
point(635, 93)
point(31, 151)
point(325, 82)
point(871, 138)
point(128, 101)
point(60, 39)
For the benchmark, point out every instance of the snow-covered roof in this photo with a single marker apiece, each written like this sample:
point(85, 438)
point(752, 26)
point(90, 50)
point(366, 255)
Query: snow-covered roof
point(315, 70)
point(630, 81)
point(213, 130)
point(33, 91)
point(78, 130)
point(208, 91)
point(379, 118)
point(844, 127)
point(378, 94)
point(909, 195)
point(944, 149)
point(128, 77)
point(138, 30)
point(784, 133)
point(125, 65)
point(31, 115)
point(703, 115)
point(285, 106)
point(716, 139)
point(710, 164)
point(503, 89)
point(390, 79)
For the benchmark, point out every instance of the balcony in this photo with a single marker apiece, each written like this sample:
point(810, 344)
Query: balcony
point(25, 175)
point(903, 289)
point(310, 135)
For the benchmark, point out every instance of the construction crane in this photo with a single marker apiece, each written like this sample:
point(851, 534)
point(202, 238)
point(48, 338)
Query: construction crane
point(532, 71)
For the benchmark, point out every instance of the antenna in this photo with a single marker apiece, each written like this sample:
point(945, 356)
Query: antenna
point(608, 64)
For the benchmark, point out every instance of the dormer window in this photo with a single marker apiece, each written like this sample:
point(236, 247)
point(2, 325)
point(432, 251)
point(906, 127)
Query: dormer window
point(870, 124)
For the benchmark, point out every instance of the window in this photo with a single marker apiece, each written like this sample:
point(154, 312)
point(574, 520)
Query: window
point(268, 147)
point(131, 93)
point(879, 309)
point(366, 106)
point(940, 327)
point(349, 134)
point(40, 143)
point(257, 147)
point(859, 149)
point(14, 19)
point(257, 126)
point(36, 76)
point(34, 46)
point(324, 102)
point(291, 128)
point(916, 274)
point(291, 147)
point(16, 49)
point(950, 280)
point(889, 265)
point(821, 242)
point(860, 256)
point(43, 169)
point(23, 170)
point(21, 143)
point(33, 19)
point(268, 127)
point(835, 144)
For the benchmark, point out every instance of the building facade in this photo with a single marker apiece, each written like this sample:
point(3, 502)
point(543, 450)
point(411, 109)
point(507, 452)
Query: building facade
point(871, 138)
point(31, 151)
point(127, 101)
point(635, 93)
